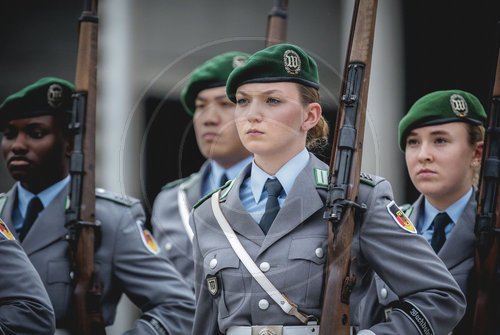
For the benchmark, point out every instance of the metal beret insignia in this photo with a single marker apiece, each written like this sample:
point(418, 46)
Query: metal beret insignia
point(239, 61)
point(291, 60)
point(459, 105)
point(54, 95)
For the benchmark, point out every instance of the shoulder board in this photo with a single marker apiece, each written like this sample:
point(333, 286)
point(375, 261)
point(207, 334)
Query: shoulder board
point(370, 179)
point(115, 197)
point(3, 201)
point(407, 209)
point(174, 183)
point(202, 200)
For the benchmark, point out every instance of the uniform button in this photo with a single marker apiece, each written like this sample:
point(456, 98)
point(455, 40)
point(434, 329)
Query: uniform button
point(263, 304)
point(139, 222)
point(100, 190)
point(264, 266)
point(319, 252)
point(383, 293)
point(168, 246)
point(213, 263)
point(72, 275)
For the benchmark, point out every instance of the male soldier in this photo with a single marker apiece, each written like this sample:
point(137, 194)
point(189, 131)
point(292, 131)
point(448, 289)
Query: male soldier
point(36, 146)
point(24, 304)
point(205, 98)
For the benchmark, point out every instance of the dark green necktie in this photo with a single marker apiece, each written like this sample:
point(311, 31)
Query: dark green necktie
point(438, 236)
point(273, 188)
point(34, 207)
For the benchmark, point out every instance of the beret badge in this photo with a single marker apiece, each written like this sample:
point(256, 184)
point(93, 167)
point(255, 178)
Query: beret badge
point(54, 95)
point(458, 105)
point(239, 61)
point(291, 60)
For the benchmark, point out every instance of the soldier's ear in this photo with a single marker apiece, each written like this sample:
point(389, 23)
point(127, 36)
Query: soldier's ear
point(313, 114)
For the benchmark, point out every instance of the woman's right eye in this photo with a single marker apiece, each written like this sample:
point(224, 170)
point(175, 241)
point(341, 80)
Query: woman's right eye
point(241, 101)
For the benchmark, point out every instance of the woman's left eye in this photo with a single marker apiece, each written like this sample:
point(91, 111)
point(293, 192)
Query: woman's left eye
point(273, 101)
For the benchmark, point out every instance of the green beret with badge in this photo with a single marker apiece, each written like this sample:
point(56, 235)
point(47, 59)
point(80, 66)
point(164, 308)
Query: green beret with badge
point(47, 96)
point(212, 73)
point(277, 63)
point(441, 107)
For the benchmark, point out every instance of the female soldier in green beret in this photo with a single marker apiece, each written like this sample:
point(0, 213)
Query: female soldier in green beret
point(442, 138)
point(262, 237)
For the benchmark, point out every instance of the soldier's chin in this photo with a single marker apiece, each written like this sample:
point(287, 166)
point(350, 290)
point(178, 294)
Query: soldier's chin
point(20, 174)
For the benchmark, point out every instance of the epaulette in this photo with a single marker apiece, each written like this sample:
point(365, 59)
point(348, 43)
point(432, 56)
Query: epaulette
point(186, 182)
point(202, 200)
point(370, 179)
point(115, 197)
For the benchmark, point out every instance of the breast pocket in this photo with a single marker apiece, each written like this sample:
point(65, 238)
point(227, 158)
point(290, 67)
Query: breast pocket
point(224, 280)
point(305, 271)
point(59, 286)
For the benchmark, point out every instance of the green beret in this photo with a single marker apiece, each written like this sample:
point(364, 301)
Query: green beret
point(441, 107)
point(277, 63)
point(212, 73)
point(46, 96)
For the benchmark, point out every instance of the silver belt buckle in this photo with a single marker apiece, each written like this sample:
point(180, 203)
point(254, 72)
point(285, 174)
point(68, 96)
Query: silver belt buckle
point(267, 330)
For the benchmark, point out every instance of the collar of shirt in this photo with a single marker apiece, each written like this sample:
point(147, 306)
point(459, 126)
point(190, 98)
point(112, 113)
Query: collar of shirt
point(216, 171)
point(454, 212)
point(46, 196)
point(286, 175)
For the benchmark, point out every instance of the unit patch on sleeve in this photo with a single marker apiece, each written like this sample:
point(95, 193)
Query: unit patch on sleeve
point(399, 216)
point(147, 238)
point(4, 230)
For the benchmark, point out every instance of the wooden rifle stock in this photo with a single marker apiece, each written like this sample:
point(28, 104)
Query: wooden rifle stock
point(276, 23)
point(488, 219)
point(345, 168)
point(80, 216)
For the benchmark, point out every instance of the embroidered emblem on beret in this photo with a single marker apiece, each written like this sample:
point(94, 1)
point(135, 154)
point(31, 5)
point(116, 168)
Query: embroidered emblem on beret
point(291, 60)
point(54, 95)
point(458, 105)
point(239, 61)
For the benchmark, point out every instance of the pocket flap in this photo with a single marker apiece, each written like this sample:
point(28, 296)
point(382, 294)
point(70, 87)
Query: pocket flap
point(309, 248)
point(219, 259)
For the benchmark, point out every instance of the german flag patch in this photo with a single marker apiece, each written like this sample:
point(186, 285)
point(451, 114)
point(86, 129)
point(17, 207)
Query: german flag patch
point(4, 230)
point(399, 216)
point(147, 238)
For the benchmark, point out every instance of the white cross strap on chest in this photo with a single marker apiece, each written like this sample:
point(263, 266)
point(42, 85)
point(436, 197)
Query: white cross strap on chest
point(183, 205)
point(286, 305)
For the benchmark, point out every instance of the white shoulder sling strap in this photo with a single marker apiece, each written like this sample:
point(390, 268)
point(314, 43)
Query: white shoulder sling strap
point(286, 305)
point(182, 203)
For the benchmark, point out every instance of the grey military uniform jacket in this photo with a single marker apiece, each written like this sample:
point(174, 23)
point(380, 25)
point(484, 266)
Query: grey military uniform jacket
point(24, 304)
point(168, 227)
point(457, 254)
point(124, 263)
point(295, 248)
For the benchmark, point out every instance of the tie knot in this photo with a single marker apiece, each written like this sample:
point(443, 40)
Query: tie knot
point(35, 205)
point(223, 179)
point(273, 187)
point(441, 220)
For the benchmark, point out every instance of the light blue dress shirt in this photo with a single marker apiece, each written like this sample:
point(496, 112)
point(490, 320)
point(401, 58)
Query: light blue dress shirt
point(24, 197)
point(252, 193)
point(425, 226)
point(211, 181)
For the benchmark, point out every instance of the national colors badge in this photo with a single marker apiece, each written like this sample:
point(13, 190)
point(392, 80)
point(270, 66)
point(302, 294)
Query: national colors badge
point(147, 238)
point(5, 231)
point(399, 216)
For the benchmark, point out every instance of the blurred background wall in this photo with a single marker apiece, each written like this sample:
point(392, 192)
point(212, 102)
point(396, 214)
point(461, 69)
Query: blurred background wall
point(148, 48)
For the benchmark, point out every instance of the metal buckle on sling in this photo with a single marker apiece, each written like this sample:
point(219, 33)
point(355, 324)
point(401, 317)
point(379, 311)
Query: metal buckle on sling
point(267, 330)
